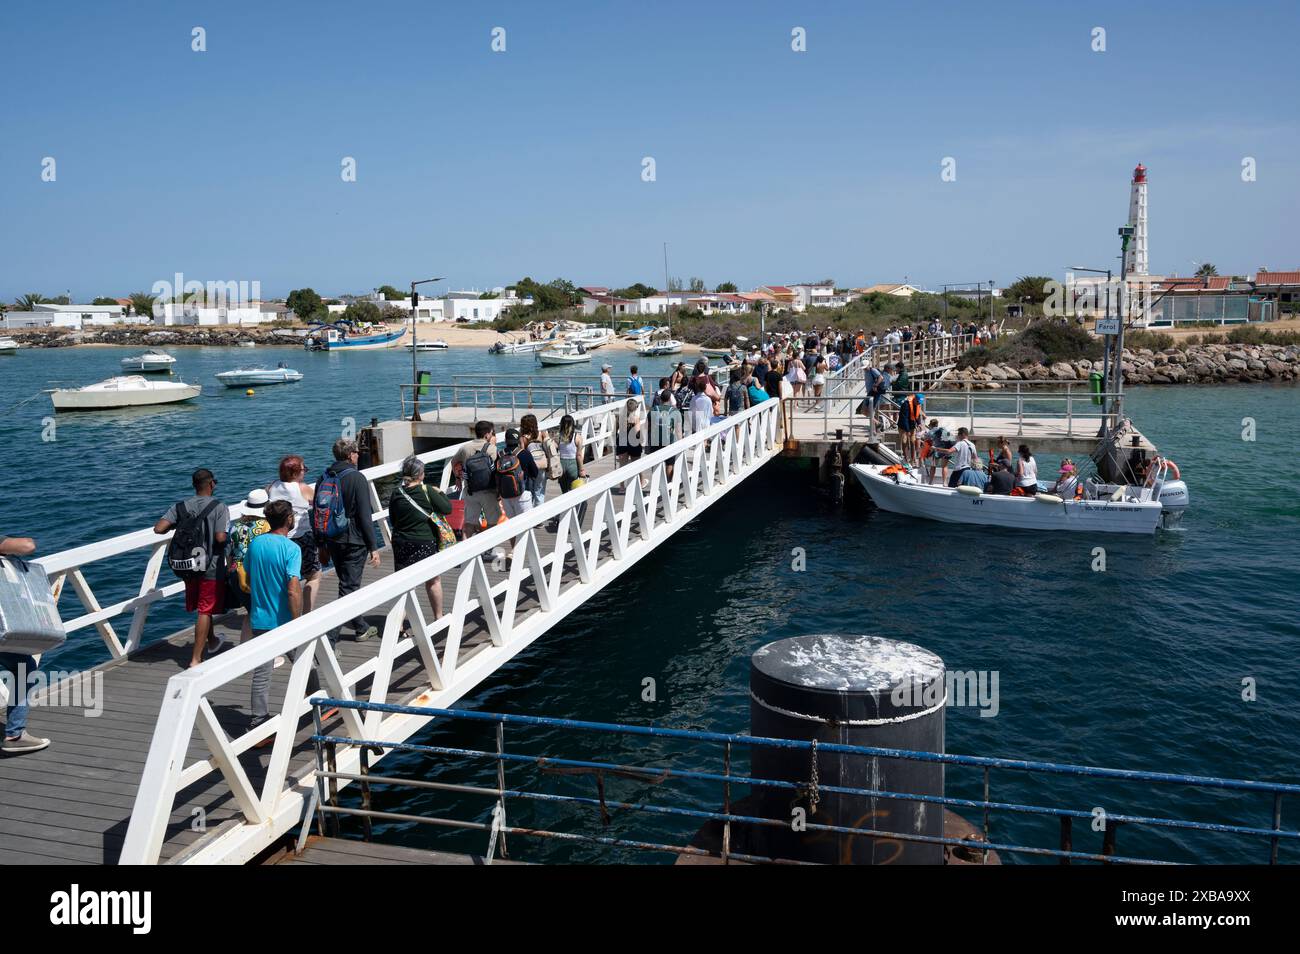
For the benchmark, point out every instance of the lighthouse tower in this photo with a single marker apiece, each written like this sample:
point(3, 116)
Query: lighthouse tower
point(1138, 262)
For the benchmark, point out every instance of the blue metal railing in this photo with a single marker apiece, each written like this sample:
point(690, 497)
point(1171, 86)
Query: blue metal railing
point(327, 801)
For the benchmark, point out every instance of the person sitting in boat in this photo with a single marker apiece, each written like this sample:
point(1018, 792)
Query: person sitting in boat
point(1001, 480)
point(1067, 480)
point(1026, 473)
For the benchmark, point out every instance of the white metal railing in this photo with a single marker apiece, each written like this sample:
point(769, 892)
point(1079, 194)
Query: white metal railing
point(598, 427)
point(920, 356)
point(1012, 406)
point(683, 479)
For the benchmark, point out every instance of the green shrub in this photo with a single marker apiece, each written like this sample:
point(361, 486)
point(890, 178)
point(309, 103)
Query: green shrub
point(1154, 340)
point(1042, 342)
point(1255, 335)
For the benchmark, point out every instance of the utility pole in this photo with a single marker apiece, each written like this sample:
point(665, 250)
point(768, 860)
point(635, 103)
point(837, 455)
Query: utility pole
point(415, 351)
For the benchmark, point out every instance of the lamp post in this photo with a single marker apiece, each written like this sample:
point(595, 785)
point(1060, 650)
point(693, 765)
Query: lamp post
point(415, 351)
point(1105, 360)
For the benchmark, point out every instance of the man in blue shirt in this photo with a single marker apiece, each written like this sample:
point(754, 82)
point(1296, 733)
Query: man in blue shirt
point(274, 566)
point(634, 385)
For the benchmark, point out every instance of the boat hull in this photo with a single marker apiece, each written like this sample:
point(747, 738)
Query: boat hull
point(563, 358)
point(234, 379)
point(72, 400)
point(993, 510)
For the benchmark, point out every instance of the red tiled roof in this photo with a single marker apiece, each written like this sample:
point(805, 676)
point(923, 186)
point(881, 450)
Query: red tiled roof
point(1213, 283)
point(1277, 278)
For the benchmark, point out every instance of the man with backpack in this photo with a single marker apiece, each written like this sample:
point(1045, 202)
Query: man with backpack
point(515, 473)
point(196, 554)
point(344, 525)
point(474, 467)
point(634, 385)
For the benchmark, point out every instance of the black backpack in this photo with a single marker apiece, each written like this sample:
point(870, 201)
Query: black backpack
point(189, 553)
point(479, 470)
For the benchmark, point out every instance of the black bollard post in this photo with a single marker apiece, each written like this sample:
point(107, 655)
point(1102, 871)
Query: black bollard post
point(854, 690)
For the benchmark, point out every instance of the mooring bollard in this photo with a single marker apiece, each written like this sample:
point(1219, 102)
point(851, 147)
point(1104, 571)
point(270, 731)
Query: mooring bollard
point(852, 690)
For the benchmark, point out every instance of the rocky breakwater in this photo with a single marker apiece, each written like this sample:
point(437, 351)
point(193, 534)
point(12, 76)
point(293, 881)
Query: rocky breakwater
point(151, 336)
point(1203, 364)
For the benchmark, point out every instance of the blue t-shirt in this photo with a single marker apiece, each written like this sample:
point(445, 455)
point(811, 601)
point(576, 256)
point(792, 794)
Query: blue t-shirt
point(272, 559)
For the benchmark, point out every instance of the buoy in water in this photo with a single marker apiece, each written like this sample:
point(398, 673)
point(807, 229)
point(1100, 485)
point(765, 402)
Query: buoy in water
point(249, 392)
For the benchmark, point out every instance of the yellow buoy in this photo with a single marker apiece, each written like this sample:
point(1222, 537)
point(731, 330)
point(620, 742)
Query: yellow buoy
point(249, 392)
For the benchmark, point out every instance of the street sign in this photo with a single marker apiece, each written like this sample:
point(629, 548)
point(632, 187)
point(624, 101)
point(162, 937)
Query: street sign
point(1107, 326)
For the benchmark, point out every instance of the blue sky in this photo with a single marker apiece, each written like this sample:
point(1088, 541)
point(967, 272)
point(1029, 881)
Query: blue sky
point(771, 165)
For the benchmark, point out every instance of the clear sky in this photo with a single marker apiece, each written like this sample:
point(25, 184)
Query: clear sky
point(771, 165)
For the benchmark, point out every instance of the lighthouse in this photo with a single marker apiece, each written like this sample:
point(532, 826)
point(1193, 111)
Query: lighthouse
point(1138, 263)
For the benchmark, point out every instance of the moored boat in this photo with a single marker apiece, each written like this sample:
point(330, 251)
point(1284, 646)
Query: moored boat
point(565, 352)
point(662, 346)
point(127, 391)
point(9, 346)
point(436, 345)
point(593, 337)
point(342, 337)
point(1099, 507)
point(151, 362)
point(250, 377)
point(519, 347)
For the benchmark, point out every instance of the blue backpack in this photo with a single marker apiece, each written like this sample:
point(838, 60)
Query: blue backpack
point(329, 517)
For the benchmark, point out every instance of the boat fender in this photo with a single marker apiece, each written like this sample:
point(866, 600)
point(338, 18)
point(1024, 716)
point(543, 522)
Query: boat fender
point(1118, 495)
point(1048, 498)
point(970, 490)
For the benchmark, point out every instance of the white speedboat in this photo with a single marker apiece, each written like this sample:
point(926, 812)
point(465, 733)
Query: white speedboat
point(520, 347)
point(150, 362)
point(652, 349)
point(8, 346)
point(436, 345)
point(128, 391)
point(636, 334)
point(248, 344)
point(1103, 508)
point(591, 338)
point(254, 377)
point(565, 352)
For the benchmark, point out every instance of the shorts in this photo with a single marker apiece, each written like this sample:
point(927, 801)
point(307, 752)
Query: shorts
point(514, 506)
point(484, 502)
point(310, 555)
point(205, 596)
point(631, 451)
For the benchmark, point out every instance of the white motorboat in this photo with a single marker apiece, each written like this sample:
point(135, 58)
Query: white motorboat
point(253, 377)
point(520, 347)
point(436, 345)
point(565, 352)
point(726, 354)
point(651, 349)
point(636, 334)
point(129, 391)
point(9, 346)
point(149, 362)
point(1102, 508)
point(591, 337)
point(248, 344)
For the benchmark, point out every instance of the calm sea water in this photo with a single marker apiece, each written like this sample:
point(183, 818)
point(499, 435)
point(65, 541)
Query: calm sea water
point(1141, 666)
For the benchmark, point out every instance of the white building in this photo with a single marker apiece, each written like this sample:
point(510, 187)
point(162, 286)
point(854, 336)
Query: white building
point(70, 316)
point(168, 313)
point(815, 295)
point(717, 303)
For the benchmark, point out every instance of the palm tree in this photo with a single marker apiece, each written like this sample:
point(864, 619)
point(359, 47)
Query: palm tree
point(142, 303)
point(1207, 271)
point(30, 300)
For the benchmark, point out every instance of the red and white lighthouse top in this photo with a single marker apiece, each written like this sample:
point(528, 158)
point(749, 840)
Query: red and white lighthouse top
point(1140, 173)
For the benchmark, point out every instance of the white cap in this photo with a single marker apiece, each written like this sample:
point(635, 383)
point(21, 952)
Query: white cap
point(257, 498)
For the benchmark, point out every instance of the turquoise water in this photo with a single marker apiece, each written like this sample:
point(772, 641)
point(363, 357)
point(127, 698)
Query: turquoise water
point(1137, 667)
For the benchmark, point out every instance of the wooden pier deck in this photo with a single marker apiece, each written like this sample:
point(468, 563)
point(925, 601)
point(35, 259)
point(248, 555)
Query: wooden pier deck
point(70, 804)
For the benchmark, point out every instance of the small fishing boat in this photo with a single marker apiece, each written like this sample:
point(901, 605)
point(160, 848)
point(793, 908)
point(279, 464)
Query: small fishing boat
point(151, 362)
point(726, 354)
point(341, 336)
point(591, 338)
point(636, 334)
point(128, 391)
point(9, 346)
point(253, 377)
point(436, 345)
point(1101, 507)
point(565, 352)
point(520, 347)
point(651, 349)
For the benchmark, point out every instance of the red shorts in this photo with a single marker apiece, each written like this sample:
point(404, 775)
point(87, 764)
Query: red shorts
point(205, 596)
